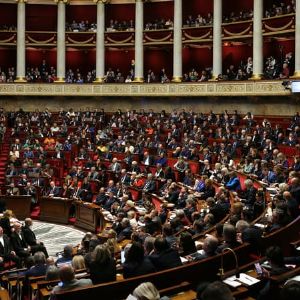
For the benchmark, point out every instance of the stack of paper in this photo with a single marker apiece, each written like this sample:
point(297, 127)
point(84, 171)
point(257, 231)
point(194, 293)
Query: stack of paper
point(244, 279)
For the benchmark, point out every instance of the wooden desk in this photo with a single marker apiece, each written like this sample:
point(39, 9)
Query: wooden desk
point(89, 216)
point(20, 205)
point(55, 209)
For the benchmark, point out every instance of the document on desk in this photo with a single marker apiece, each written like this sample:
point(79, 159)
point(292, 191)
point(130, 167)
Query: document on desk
point(244, 279)
point(232, 281)
point(247, 280)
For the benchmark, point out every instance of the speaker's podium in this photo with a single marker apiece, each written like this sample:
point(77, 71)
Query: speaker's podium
point(20, 205)
point(55, 209)
point(89, 216)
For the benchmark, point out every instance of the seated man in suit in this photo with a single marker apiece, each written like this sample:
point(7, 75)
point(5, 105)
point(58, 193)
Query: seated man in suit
point(6, 252)
point(68, 280)
point(209, 248)
point(12, 190)
point(18, 242)
point(164, 256)
point(148, 160)
point(54, 191)
point(150, 185)
point(39, 268)
point(101, 197)
point(30, 238)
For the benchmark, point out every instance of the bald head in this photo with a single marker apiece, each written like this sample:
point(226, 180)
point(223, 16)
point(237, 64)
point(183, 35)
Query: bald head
point(28, 222)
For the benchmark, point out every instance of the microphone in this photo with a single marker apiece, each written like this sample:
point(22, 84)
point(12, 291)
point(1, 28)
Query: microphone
point(221, 270)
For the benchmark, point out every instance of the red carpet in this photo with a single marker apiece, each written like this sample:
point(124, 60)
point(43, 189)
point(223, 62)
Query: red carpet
point(35, 214)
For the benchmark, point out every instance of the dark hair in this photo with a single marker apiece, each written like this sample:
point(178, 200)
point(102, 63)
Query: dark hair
point(161, 244)
point(216, 291)
point(291, 291)
point(167, 230)
point(200, 288)
point(219, 229)
point(187, 243)
point(275, 255)
point(135, 253)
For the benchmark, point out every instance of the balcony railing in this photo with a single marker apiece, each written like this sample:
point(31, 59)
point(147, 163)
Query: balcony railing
point(240, 30)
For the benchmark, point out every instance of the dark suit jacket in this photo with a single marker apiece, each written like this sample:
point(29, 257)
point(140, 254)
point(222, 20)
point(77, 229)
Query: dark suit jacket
point(37, 270)
point(19, 244)
point(150, 186)
point(55, 191)
point(166, 259)
point(101, 273)
point(5, 224)
point(250, 196)
point(6, 249)
point(131, 269)
point(29, 236)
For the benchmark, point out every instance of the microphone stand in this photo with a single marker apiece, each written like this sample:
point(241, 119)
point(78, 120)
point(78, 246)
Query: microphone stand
point(221, 270)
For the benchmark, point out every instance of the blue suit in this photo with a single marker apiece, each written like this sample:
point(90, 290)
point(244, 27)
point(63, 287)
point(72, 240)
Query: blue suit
point(234, 184)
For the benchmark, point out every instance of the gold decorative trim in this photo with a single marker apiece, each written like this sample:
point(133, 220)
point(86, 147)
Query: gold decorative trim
point(213, 78)
point(140, 89)
point(101, 1)
point(80, 42)
point(40, 42)
point(138, 80)
point(8, 40)
point(99, 80)
point(279, 28)
point(60, 80)
point(177, 79)
point(158, 40)
point(119, 42)
point(20, 79)
point(238, 33)
point(198, 37)
point(63, 1)
point(256, 77)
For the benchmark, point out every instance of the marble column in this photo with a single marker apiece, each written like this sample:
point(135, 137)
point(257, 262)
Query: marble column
point(217, 39)
point(258, 64)
point(177, 43)
point(297, 41)
point(61, 40)
point(21, 46)
point(139, 48)
point(100, 41)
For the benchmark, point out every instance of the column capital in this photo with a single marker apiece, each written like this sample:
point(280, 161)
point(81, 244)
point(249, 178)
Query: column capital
point(21, 1)
point(63, 1)
point(101, 1)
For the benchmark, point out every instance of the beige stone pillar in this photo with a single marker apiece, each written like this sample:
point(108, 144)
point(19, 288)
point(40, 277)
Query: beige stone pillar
point(177, 43)
point(100, 41)
point(21, 46)
point(139, 48)
point(258, 63)
point(217, 39)
point(61, 40)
